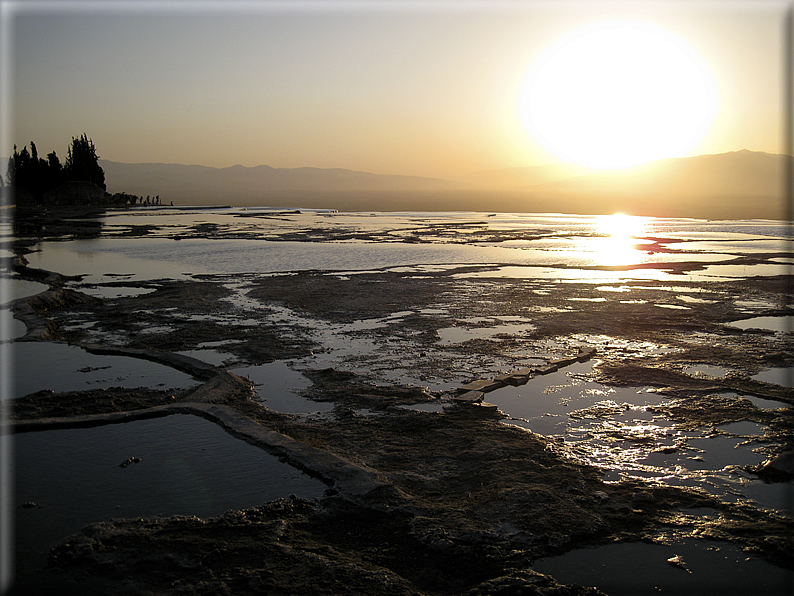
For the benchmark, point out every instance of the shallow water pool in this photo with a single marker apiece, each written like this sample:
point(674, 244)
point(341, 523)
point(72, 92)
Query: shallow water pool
point(613, 429)
point(631, 568)
point(10, 327)
point(21, 288)
point(777, 324)
point(279, 388)
point(188, 466)
point(778, 376)
point(61, 367)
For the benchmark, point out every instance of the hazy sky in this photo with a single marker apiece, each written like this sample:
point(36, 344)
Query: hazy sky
point(420, 88)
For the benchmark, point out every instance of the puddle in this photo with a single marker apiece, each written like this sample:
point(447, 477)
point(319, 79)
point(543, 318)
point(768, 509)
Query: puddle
point(399, 315)
point(752, 305)
point(11, 328)
point(613, 289)
point(743, 427)
point(695, 459)
point(213, 357)
point(610, 428)
point(15, 288)
point(705, 370)
point(279, 388)
point(104, 259)
point(692, 289)
point(544, 402)
point(766, 404)
point(188, 466)
point(693, 300)
point(778, 376)
point(61, 367)
point(776, 496)
point(758, 402)
point(628, 569)
point(458, 335)
point(111, 292)
point(720, 452)
point(563, 274)
point(150, 330)
point(739, 271)
point(777, 324)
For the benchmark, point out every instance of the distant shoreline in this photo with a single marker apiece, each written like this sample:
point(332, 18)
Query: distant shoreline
point(80, 211)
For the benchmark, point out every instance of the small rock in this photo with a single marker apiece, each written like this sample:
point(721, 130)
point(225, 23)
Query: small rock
point(514, 379)
point(486, 406)
point(561, 362)
point(483, 385)
point(517, 379)
point(778, 469)
point(470, 397)
point(128, 461)
point(677, 561)
point(783, 462)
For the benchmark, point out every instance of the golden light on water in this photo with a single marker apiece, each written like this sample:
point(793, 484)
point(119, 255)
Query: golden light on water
point(617, 242)
point(621, 225)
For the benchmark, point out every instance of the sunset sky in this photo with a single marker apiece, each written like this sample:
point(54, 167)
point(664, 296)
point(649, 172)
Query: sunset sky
point(422, 88)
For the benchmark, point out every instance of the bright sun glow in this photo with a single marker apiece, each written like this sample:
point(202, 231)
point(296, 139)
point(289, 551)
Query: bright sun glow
point(620, 225)
point(618, 93)
point(618, 247)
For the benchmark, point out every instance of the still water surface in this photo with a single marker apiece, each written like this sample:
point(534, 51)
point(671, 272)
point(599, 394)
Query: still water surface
point(522, 244)
point(188, 466)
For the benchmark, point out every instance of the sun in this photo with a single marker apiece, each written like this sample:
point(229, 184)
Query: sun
point(618, 93)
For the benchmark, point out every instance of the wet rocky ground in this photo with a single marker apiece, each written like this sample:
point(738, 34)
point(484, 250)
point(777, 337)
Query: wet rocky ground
point(452, 501)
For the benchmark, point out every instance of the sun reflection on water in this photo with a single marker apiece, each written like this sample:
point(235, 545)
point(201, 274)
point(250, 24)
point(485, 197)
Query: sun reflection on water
point(619, 237)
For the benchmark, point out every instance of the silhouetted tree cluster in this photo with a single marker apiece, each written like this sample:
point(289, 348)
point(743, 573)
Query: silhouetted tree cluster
point(35, 174)
point(26, 170)
point(82, 162)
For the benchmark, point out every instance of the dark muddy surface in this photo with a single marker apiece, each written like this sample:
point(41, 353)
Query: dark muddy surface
point(462, 502)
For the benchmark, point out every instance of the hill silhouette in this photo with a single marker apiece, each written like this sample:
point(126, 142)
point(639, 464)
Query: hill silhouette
point(739, 184)
point(736, 185)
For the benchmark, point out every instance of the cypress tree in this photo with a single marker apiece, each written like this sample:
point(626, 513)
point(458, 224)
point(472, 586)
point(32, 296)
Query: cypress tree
point(82, 162)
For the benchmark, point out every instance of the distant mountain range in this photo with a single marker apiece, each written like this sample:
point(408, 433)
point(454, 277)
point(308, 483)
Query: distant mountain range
point(739, 184)
point(242, 183)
